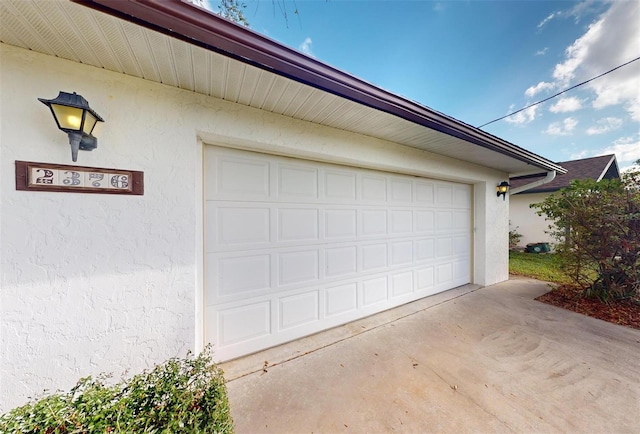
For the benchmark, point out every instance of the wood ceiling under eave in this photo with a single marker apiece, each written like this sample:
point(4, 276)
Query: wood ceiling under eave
point(74, 32)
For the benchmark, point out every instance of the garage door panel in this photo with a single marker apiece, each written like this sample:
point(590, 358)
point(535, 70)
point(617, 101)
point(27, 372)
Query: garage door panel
point(424, 193)
point(425, 249)
point(341, 299)
point(425, 279)
point(461, 245)
point(298, 267)
point(240, 177)
point(401, 222)
point(374, 291)
point(340, 223)
point(319, 245)
point(374, 222)
point(444, 247)
point(400, 191)
point(444, 221)
point(374, 257)
point(401, 283)
point(299, 309)
point(297, 181)
point(444, 273)
point(340, 185)
point(298, 224)
point(238, 225)
point(461, 272)
point(341, 261)
point(243, 274)
point(401, 253)
point(243, 225)
point(461, 197)
point(424, 221)
point(461, 220)
point(244, 323)
point(374, 189)
point(444, 195)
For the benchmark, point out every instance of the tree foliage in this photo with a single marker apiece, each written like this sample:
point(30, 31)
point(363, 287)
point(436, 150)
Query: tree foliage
point(234, 10)
point(597, 225)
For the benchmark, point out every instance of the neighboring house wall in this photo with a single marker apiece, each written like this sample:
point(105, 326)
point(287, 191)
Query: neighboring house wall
point(526, 221)
point(106, 283)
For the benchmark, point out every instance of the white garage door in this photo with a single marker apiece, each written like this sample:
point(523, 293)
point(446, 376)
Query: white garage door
point(293, 247)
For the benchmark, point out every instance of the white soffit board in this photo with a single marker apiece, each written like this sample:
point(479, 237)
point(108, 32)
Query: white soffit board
point(293, 247)
point(74, 32)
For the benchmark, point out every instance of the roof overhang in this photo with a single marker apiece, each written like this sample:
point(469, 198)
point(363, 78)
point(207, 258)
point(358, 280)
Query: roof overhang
point(182, 45)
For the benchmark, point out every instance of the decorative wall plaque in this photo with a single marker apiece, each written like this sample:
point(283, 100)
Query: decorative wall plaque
point(62, 178)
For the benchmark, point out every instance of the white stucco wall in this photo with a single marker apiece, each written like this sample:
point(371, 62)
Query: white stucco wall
point(526, 221)
point(95, 283)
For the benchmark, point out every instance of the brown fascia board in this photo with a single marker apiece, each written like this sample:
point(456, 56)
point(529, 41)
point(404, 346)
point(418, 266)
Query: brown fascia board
point(197, 26)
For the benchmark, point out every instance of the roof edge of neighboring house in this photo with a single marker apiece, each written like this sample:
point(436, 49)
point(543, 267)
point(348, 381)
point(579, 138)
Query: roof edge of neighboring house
point(611, 161)
point(538, 190)
point(198, 26)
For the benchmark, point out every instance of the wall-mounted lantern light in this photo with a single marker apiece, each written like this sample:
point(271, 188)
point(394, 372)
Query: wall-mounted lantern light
point(502, 189)
point(74, 116)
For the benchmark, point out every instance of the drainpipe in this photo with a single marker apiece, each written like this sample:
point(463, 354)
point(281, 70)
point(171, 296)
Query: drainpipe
point(551, 175)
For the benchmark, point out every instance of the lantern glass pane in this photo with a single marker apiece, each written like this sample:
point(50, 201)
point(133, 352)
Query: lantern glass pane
point(89, 122)
point(68, 118)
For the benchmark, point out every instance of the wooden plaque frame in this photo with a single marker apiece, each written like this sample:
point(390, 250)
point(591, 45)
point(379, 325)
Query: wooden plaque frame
point(32, 176)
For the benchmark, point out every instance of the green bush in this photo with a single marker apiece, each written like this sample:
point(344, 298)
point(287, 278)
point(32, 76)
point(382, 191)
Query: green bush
point(514, 237)
point(597, 225)
point(179, 396)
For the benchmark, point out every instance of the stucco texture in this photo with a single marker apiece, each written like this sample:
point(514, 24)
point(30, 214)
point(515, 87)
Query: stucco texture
point(525, 220)
point(96, 283)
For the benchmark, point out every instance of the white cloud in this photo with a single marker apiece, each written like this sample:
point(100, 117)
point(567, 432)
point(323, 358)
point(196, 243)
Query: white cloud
point(564, 128)
point(610, 41)
point(577, 12)
point(583, 8)
point(523, 117)
point(633, 107)
point(305, 47)
point(621, 90)
point(627, 150)
point(580, 155)
point(605, 125)
point(565, 105)
point(542, 52)
point(549, 17)
point(438, 7)
point(578, 52)
point(534, 90)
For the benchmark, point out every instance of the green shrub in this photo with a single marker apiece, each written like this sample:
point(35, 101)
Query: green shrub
point(514, 237)
point(181, 395)
point(597, 225)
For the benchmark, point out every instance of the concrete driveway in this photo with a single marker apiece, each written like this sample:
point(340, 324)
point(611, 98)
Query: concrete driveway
point(470, 360)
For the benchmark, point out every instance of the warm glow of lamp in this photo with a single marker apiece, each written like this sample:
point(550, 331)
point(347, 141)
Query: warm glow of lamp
point(502, 189)
point(74, 116)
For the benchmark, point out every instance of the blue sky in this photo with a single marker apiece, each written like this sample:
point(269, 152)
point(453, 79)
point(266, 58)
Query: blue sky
point(479, 60)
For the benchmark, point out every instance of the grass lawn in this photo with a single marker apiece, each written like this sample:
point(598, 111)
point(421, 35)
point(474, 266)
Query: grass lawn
point(539, 266)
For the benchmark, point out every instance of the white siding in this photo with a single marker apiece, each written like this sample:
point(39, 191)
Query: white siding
point(526, 221)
